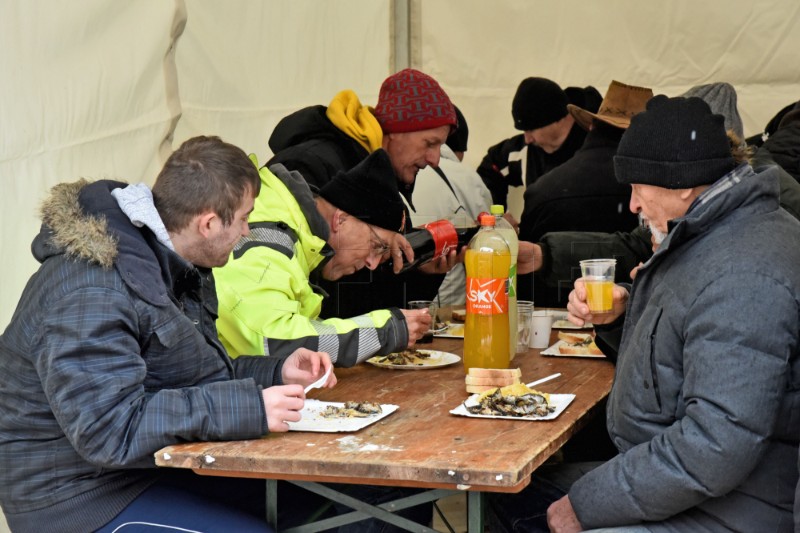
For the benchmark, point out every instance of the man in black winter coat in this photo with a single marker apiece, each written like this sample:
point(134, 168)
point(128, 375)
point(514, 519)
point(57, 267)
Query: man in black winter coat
point(550, 135)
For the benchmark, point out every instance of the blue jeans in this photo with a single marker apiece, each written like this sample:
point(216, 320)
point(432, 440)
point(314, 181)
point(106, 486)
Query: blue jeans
point(186, 502)
point(210, 504)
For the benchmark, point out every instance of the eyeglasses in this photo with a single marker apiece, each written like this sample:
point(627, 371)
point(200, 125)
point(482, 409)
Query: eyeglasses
point(378, 246)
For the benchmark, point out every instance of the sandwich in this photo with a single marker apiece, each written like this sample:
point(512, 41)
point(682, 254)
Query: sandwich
point(577, 344)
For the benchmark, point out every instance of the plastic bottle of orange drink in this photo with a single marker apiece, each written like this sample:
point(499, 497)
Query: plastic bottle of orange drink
point(487, 263)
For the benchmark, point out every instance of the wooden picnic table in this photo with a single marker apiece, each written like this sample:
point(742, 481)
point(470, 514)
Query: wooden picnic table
point(421, 444)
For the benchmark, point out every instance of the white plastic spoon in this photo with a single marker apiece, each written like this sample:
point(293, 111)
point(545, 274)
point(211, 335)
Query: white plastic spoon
point(539, 381)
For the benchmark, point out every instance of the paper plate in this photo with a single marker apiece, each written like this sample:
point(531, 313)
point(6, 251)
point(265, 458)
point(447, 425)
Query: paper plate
point(313, 421)
point(437, 359)
point(454, 330)
point(559, 401)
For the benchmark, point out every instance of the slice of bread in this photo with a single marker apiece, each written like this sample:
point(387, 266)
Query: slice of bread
point(572, 337)
point(493, 381)
point(494, 372)
point(577, 344)
point(483, 379)
point(459, 315)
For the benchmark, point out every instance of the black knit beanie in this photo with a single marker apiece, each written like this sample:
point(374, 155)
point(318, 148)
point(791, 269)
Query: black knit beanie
point(676, 143)
point(457, 140)
point(539, 102)
point(368, 191)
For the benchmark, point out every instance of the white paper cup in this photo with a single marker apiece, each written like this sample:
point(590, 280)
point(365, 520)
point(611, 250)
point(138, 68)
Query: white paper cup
point(541, 323)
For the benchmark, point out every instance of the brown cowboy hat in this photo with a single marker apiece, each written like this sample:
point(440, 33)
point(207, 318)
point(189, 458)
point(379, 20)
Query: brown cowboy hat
point(619, 105)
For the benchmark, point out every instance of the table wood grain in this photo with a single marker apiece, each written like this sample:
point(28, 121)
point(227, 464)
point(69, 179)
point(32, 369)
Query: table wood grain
point(421, 444)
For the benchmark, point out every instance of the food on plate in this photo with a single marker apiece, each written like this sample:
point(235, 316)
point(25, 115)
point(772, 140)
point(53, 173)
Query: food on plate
point(406, 357)
point(512, 400)
point(483, 379)
point(351, 410)
point(459, 315)
point(577, 344)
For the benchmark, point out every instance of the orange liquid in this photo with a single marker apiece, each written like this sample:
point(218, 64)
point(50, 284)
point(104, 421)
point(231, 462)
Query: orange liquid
point(486, 336)
point(599, 296)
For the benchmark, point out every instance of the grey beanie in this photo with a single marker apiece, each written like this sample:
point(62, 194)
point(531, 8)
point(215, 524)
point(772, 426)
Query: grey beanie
point(676, 143)
point(721, 98)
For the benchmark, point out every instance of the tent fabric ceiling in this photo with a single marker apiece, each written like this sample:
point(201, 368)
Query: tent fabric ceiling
point(100, 89)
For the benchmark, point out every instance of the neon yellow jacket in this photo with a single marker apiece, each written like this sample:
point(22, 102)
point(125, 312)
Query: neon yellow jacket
point(267, 304)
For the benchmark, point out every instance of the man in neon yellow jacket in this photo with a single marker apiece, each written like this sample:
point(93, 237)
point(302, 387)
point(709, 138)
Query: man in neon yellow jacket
point(268, 303)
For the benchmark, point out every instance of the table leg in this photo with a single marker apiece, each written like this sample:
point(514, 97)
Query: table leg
point(475, 503)
point(272, 503)
point(362, 510)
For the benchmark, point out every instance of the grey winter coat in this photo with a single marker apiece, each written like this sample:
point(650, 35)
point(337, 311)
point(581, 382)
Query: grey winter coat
point(111, 354)
point(705, 407)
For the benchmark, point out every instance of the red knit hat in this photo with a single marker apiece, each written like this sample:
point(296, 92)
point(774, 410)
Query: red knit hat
point(412, 101)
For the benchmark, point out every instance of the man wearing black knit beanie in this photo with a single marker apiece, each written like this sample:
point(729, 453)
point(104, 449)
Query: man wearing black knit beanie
point(550, 135)
point(706, 393)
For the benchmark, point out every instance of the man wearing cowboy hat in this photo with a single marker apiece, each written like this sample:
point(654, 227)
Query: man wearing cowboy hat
point(582, 194)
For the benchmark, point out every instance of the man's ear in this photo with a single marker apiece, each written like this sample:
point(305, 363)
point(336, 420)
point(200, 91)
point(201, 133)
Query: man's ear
point(688, 195)
point(205, 222)
point(337, 220)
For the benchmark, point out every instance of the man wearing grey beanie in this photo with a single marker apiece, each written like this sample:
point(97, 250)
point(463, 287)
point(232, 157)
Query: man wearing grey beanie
point(708, 374)
point(706, 395)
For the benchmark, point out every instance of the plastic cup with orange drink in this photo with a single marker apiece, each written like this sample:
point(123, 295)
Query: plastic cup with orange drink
point(598, 277)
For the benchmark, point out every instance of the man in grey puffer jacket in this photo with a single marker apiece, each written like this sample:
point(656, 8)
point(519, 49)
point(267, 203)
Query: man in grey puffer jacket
point(706, 399)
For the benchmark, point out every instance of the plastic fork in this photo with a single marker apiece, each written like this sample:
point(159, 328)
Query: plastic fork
point(320, 382)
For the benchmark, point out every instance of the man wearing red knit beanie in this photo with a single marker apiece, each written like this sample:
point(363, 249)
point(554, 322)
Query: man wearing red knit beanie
point(411, 120)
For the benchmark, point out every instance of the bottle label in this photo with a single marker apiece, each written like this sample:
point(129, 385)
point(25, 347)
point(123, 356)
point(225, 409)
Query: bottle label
point(487, 296)
point(444, 236)
point(512, 281)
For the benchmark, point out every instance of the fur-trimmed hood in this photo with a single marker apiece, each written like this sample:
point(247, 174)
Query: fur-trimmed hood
point(67, 229)
point(83, 222)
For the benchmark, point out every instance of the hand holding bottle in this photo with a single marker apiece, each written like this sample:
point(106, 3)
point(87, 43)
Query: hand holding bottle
point(438, 246)
point(443, 263)
point(400, 247)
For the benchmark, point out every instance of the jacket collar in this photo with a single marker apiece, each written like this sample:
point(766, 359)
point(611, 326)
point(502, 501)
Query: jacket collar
point(740, 189)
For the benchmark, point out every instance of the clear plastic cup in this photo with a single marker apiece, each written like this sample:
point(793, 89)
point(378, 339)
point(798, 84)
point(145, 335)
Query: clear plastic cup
point(598, 276)
point(432, 308)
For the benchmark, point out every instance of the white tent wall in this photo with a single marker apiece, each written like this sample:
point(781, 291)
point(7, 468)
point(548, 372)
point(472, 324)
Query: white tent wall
point(96, 89)
point(480, 51)
point(244, 65)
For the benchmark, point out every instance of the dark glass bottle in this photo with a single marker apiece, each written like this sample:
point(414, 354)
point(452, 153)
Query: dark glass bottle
point(436, 239)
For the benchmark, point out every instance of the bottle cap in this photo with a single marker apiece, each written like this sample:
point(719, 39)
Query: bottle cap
point(497, 209)
point(487, 220)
